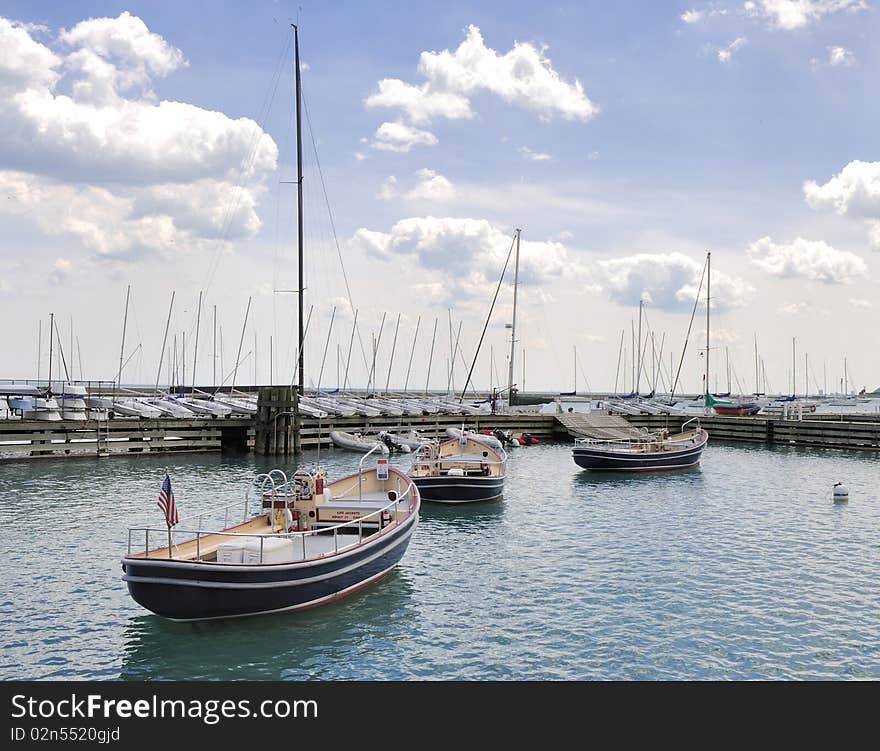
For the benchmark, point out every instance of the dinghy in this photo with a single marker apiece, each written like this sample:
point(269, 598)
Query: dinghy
point(356, 442)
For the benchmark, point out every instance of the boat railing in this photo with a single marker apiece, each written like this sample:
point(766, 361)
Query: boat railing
point(197, 534)
point(377, 447)
point(688, 422)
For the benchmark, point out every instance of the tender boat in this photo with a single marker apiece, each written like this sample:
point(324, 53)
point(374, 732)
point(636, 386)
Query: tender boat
point(489, 440)
point(312, 543)
point(356, 442)
point(459, 470)
point(642, 453)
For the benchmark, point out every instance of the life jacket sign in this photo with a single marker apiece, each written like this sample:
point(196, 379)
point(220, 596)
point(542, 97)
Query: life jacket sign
point(381, 469)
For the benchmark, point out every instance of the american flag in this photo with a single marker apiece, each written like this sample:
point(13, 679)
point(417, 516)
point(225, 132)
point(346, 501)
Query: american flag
point(166, 503)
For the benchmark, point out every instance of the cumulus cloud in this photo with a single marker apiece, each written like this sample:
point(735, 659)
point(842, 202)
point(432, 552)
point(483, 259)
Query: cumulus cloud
point(398, 136)
point(431, 186)
point(789, 15)
point(523, 76)
point(167, 171)
point(808, 259)
point(853, 192)
point(841, 56)
point(535, 156)
point(668, 281)
point(726, 53)
point(466, 255)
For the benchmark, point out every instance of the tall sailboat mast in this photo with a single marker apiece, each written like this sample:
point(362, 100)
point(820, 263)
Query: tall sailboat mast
point(299, 213)
point(513, 324)
point(708, 299)
point(638, 350)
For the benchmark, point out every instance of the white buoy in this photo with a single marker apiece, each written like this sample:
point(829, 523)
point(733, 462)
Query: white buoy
point(514, 442)
point(839, 493)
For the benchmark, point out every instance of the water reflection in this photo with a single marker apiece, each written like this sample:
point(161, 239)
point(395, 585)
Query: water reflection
point(468, 517)
point(311, 644)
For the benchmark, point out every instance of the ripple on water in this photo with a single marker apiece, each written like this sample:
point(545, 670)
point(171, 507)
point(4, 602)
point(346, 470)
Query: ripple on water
point(740, 569)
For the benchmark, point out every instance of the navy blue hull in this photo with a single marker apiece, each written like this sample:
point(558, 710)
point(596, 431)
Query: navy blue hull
point(446, 489)
point(196, 591)
point(622, 461)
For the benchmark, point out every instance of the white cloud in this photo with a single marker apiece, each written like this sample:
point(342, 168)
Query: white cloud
point(695, 15)
point(102, 221)
point(792, 308)
point(431, 186)
point(359, 156)
point(400, 137)
point(523, 76)
point(838, 56)
point(668, 280)
point(809, 259)
point(169, 172)
point(726, 53)
point(60, 271)
point(138, 53)
point(789, 15)
point(466, 254)
point(854, 191)
point(860, 304)
point(535, 156)
point(874, 235)
point(388, 189)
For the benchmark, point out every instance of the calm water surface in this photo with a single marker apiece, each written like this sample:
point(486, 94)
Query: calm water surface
point(741, 569)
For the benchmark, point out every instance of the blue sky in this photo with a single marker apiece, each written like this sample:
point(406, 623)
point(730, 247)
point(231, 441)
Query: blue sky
point(624, 139)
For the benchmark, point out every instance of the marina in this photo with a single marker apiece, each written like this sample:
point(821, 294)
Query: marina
point(272, 431)
point(361, 486)
point(742, 568)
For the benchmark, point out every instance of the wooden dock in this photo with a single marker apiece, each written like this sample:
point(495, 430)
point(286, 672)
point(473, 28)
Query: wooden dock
point(853, 432)
point(275, 430)
point(31, 439)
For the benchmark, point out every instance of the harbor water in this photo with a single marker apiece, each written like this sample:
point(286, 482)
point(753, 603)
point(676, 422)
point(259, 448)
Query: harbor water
point(742, 568)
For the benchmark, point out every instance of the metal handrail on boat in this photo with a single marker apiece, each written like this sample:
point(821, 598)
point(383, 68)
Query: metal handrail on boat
point(377, 447)
point(282, 535)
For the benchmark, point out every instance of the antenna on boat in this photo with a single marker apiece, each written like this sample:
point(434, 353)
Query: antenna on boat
point(299, 203)
point(431, 356)
point(486, 325)
point(121, 348)
point(240, 342)
point(196, 352)
point(411, 353)
point(513, 323)
point(164, 342)
point(708, 305)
